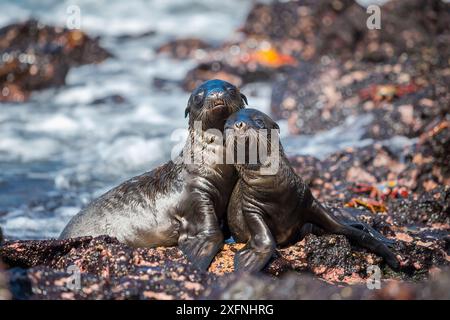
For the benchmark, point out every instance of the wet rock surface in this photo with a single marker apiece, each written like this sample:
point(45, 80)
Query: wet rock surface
point(35, 56)
point(279, 38)
point(374, 186)
point(398, 99)
point(241, 62)
point(4, 288)
point(5, 294)
point(108, 270)
point(339, 27)
point(398, 74)
point(184, 48)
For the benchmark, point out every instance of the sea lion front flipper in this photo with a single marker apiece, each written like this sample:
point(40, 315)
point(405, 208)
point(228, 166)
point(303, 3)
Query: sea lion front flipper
point(259, 248)
point(201, 248)
point(319, 216)
point(201, 240)
point(309, 228)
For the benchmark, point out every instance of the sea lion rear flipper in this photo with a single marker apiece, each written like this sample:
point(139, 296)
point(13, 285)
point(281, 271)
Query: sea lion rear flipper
point(374, 233)
point(318, 215)
point(259, 248)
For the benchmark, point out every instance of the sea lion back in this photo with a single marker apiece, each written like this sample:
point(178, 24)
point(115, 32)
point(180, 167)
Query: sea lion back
point(135, 211)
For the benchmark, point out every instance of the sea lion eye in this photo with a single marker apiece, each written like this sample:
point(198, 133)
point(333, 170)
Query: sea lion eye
point(260, 123)
point(232, 91)
point(198, 98)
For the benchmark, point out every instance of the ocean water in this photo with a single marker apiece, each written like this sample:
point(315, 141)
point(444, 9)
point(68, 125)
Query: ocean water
point(58, 151)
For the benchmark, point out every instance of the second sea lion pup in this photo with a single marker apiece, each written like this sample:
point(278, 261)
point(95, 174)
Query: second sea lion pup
point(181, 202)
point(270, 209)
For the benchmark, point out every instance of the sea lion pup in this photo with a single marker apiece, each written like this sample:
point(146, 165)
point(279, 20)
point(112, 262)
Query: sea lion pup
point(181, 202)
point(269, 207)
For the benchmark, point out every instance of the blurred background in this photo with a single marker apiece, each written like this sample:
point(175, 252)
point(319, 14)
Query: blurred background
point(91, 91)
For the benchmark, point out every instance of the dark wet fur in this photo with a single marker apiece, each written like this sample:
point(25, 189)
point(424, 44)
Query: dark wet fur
point(270, 210)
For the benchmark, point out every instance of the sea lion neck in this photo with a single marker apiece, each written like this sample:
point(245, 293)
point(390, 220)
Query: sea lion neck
point(203, 148)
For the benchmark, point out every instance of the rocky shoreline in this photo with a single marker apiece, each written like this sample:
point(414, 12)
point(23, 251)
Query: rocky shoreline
point(324, 66)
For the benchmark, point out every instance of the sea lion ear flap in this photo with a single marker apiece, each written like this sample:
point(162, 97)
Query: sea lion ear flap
point(276, 126)
point(244, 98)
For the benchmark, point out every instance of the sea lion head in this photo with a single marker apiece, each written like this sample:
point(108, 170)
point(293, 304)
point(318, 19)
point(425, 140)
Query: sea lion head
point(255, 130)
point(250, 119)
point(212, 102)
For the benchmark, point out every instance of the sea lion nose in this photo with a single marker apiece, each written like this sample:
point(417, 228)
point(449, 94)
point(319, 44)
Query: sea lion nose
point(239, 125)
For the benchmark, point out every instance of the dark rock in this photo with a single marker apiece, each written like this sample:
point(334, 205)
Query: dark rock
point(304, 97)
point(294, 286)
point(35, 56)
point(291, 286)
point(435, 288)
point(4, 290)
point(108, 270)
point(306, 167)
point(397, 75)
point(316, 97)
point(333, 253)
point(148, 282)
point(211, 70)
point(184, 48)
point(429, 208)
point(338, 28)
point(242, 62)
point(384, 173)
point(320, 26)
point(5, 293)
point(145, 34)
point(166, 84)
point(372, 181)
point(420, 256)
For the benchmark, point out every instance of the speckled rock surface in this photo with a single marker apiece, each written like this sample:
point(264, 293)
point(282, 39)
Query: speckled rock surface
point(5, 294)
point(108, 270)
